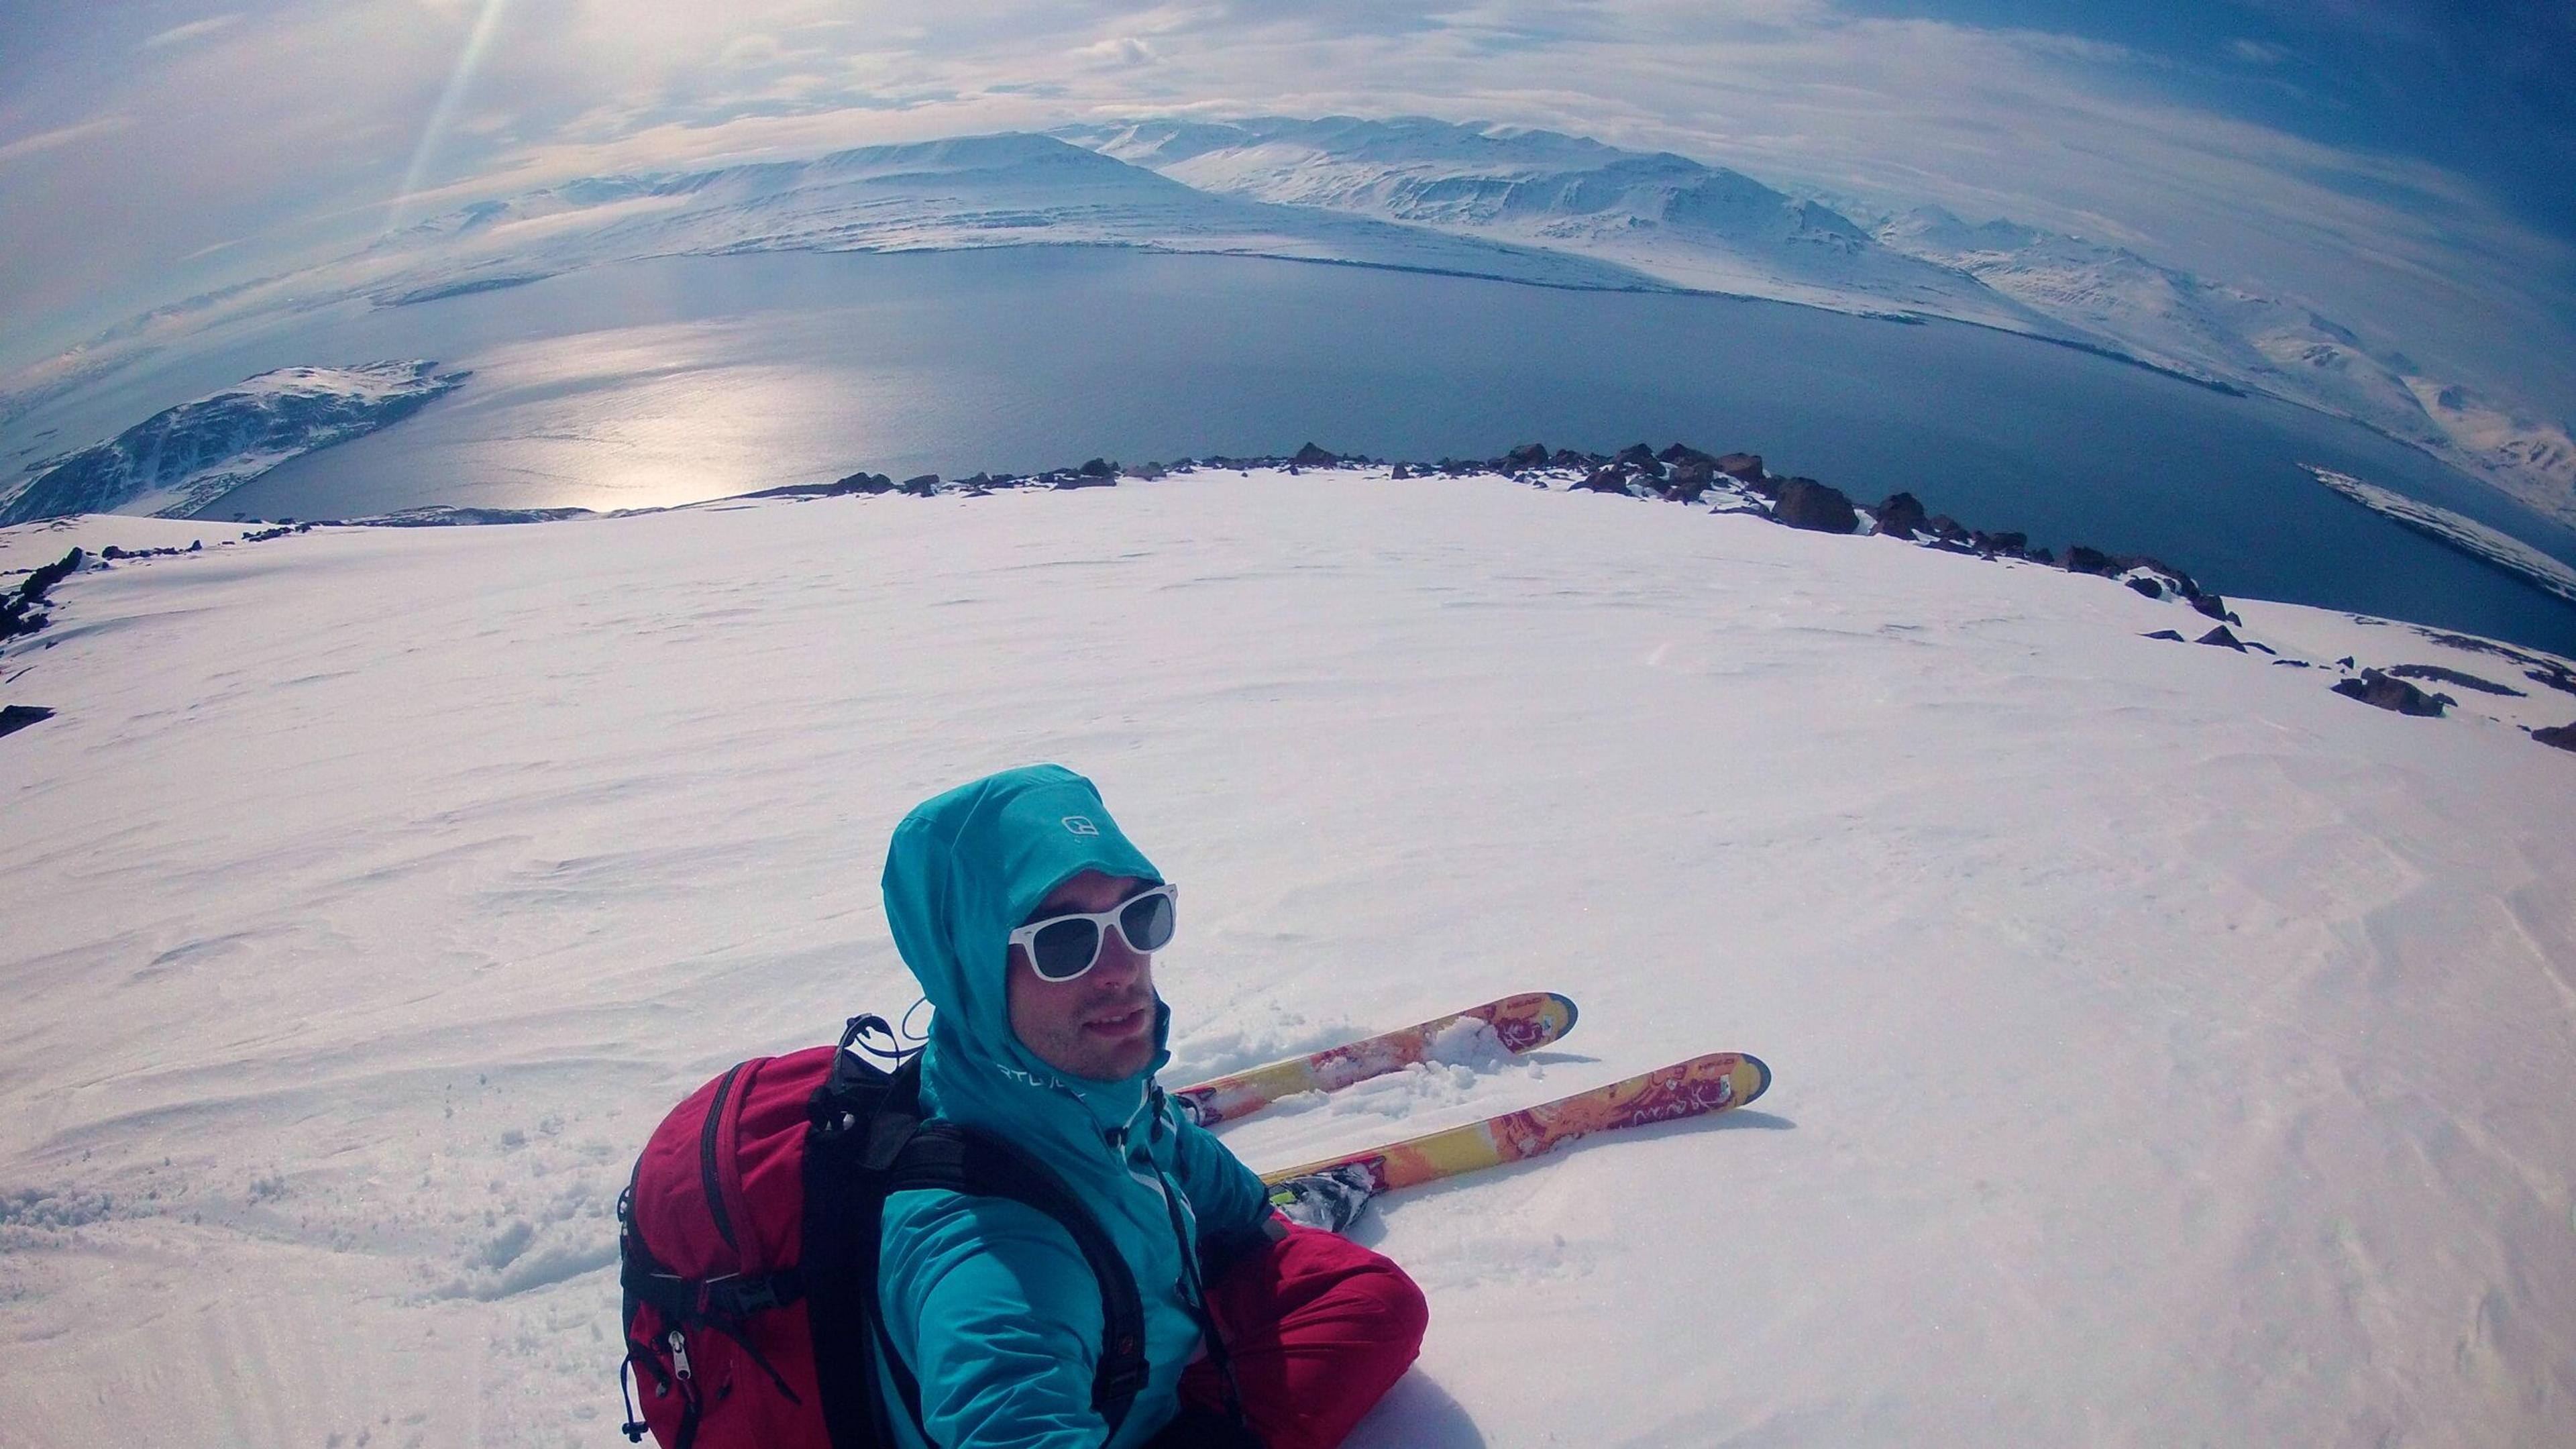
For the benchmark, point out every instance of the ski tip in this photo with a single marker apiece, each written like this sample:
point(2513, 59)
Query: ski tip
point(1761, 1086)
point(1572, 1013)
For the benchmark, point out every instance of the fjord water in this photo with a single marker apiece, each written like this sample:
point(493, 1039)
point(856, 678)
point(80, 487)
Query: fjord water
point(687, 378)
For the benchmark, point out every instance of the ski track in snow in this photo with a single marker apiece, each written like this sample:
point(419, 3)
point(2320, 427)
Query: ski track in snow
point(2168, 1049)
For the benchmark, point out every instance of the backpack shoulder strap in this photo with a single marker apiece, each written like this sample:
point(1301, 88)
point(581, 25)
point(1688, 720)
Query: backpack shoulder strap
point(944, 1155)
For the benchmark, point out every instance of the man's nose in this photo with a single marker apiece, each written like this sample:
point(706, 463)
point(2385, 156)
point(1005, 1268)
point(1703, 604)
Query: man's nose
point(1119, 962)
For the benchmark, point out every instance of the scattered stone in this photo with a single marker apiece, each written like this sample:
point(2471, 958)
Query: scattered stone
point(2295, 663)
point(2010, 545)
point(2344, 663)
point(1527, 455)
point(921, 485)
point(2083, 560)
point(2039, 555)
point(2375, 688)
point(2563, 736)
point(1605, 480)
point(1635, 455)
point(2215, 607)
point(23, 612)
point(1900, 515)
point(16, 717)
point(1103, 468)
point(1311, 456)
point(2220, 637)
point(1808, 504)
point(1747, 466)
point(1685, 453)
point(2148, 587)
point(2453, 676)
point(2166, 634)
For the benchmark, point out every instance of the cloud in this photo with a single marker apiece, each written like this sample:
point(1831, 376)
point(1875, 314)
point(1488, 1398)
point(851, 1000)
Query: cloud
point(64, 136)
point(2257, 52)
point(194, 29)
point(1119, 50)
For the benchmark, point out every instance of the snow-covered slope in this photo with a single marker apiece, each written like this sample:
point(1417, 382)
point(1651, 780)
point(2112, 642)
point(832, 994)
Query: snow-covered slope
point(2243, 337)
point(1673, 218)
point(184, 458)
point(2169, 1050)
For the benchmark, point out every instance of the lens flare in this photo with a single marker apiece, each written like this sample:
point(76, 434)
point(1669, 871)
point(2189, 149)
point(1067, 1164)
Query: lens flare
point(459, 81)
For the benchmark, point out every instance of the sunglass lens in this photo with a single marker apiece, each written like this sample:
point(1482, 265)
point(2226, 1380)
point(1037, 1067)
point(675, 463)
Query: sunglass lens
point(1147, 922)
point(1065, 949)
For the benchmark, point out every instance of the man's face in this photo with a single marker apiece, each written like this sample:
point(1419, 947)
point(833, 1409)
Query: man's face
point(1099, 1025)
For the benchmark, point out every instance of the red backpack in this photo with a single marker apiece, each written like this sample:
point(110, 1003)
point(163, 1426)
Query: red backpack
point(747, 1247)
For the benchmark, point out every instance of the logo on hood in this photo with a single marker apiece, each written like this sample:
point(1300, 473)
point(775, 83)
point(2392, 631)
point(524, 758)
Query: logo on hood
point(1080, 825)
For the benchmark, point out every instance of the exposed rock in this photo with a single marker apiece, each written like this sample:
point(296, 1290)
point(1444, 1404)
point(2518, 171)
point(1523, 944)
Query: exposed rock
point(1806, 503)
point(2167, 634)
point(1527, 455)
point(2563, 736)
point(1605, 480)
point(1747, 466)
point(16, 717)
point(2083, 560)
point(2148, 587)
point(2215, 607)
point(2038, 555)
point(1900, 515)
point(23, 612)
point(1103, 468)
point(2375, 688)
point(1635, 455)
point(1311, 456)
point(2220, 637)
point(1568, 458)
point(1690, 480)
point(1944, 526)
point(921, 486)
point(2453, 676)
point(1685, 453)
point(2010, 545)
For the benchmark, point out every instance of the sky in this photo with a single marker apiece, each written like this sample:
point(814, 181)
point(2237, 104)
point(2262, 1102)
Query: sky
point(2397, 161)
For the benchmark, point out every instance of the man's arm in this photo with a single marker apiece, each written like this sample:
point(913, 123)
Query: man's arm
point(998, 1316)
point(1232, 1205)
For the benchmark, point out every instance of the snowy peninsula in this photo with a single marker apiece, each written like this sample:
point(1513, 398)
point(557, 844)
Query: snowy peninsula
point(2466, 534)
point(2169, 1048)
point(184, 459)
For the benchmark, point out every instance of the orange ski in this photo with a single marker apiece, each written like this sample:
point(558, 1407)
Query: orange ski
point(1522, 1023)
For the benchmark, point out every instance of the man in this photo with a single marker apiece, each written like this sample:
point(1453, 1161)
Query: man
point(1031, 921)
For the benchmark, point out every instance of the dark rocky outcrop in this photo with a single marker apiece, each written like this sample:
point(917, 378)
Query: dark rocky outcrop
point(2375, 688)
point(2166, 634)
point(1605, 480)
point(2224, 640)
point(921, 485)
point(23, 612)
point(2563, 736)
point(1745, 466)
point(1527, 455)
point(1900, 515)
point(1311, 456)
point(2148, 587)
point(1685, 453)
point(1635, 455)
point(1690, 480)
point(1103, 468)
point(2083, 560)
point(1808, 504)
point(16, 717)
point(2453, 676)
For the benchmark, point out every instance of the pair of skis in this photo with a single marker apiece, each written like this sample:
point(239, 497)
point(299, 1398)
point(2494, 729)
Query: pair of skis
point(1717, 1082)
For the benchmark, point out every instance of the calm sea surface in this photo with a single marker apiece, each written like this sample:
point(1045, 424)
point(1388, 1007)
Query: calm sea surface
point(666, 381)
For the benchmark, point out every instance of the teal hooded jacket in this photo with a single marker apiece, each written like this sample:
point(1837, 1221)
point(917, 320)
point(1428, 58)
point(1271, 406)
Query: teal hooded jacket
point(988, 1300)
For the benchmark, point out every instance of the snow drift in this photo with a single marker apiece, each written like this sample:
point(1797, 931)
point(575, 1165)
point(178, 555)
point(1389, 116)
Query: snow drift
point(2168, 1049)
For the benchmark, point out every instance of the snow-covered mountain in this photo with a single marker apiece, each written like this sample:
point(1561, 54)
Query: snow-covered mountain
point(969, 192)
point(185, 458)
point(1684, 222)
point(2169, 1050)
point(2248, 339)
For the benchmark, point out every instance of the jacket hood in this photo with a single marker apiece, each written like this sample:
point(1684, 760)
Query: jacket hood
point(967, 867)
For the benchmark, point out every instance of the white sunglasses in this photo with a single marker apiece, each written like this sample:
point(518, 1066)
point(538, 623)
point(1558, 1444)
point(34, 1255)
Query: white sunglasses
point(1063, 947)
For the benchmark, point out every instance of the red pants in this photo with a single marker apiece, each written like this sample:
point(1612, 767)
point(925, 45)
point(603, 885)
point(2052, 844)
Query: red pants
point(1319, 1329)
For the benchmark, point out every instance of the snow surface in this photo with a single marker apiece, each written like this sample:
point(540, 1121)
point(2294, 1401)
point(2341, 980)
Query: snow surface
point(2169, 1050)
